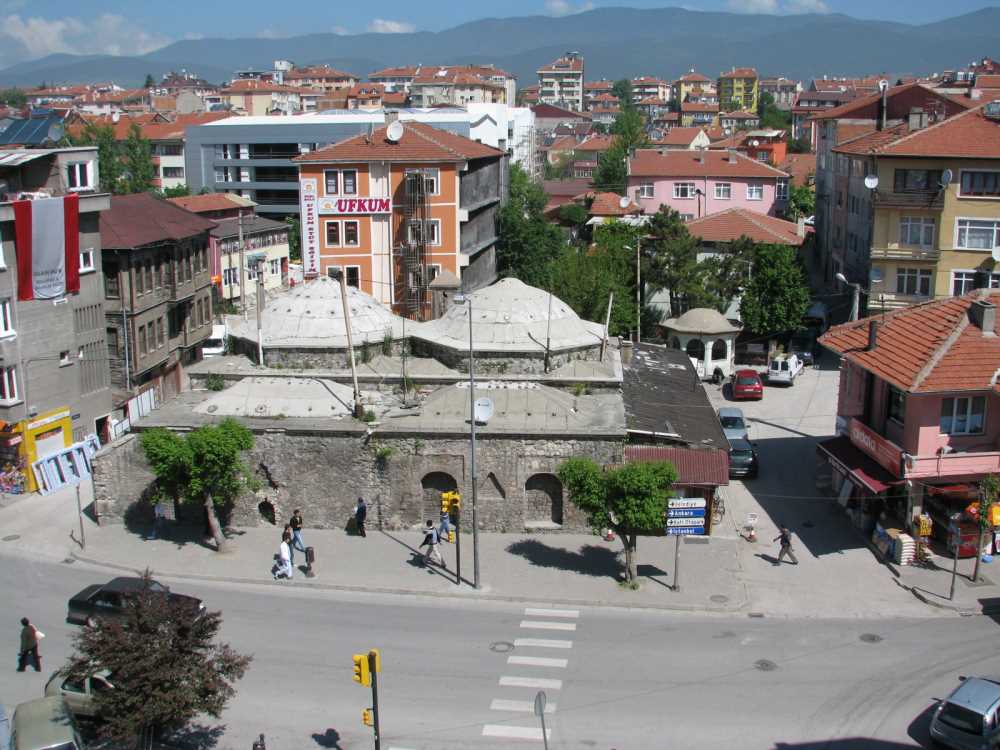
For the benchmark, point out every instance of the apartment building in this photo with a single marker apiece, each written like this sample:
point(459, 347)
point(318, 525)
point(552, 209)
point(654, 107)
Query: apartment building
point(649, 87)
point(157, 291)
point(54, 383)
point(810, 105)
point(561, 82)
point(402, 78)
point(365, 96)
point(265, 246)
point(321, 77)
point(458, 87)
point(695, 114)
point(739, 89)
point(258, 97)
point(688, 82)
point(394, 208)
point(783, 90)
point(593, 89)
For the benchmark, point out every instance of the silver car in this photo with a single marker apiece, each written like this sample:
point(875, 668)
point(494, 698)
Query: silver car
point(967, 719)
point(734, 424)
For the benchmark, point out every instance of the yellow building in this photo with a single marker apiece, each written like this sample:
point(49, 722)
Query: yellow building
point(32, 438)
point(687, 83)
point(739, 89)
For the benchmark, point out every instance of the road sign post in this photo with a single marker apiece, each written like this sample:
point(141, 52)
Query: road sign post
point(677, 563)
point(540, 713)
point(374, 667)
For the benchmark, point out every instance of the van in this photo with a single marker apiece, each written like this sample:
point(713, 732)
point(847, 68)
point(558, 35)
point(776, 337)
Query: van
point(215, 345)
point(45, 724)
point(784, 369)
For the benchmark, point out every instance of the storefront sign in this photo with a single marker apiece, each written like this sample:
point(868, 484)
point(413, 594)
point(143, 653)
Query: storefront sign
point(48, 419)
point(685, 522)
point(684, 530)
point(885, 453)
point(686, 502)
point(355, 206)
point(686, 513)
point(309, 192)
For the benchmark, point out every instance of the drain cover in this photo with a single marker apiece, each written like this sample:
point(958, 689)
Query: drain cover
point(12, 537)
point(69, 560)
point(501, 647)
point(765, 665)
point(870, 638)
point(719, 598)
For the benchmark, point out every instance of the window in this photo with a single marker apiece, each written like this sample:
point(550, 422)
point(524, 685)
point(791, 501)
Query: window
point(432, 180)
point(6, 319)
point(275, 266)
point(687, 217)
point(332, 179)
point(87, 260)
point(781, 190)
point(111, 335)
point(149, 275)
point(755, 192)
point(171, 149)
point(8, 385)
point(151, 335)
point(981, 184)
point(142, 340)
point(351, 234)
point(764, 157)
point(333, 233)
point(915, 281)
point(978, 235)
point(916, 180)
point(334, 272)
point(646, 190)
point(723, 191)
point(354, 276)
point(350, 181)
point(896, 405)
point(231, 276)
point(963, 416)
point(159, 333)
point(963, 282)
point(684, 190)
point(173, 172)
point(916, 230)
point(428, 232)
point(78, 175)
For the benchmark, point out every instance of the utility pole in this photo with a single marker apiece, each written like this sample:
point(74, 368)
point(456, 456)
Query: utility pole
point(243, 265)
point(260, 311)
point(375, 666)
point(472, 459)
point(350, 343)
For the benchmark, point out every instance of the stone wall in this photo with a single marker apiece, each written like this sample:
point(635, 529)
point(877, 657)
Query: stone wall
point(313, 357)
point(505, 363)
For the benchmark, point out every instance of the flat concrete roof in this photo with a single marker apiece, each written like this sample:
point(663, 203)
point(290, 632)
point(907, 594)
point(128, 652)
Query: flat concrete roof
point(277, 397)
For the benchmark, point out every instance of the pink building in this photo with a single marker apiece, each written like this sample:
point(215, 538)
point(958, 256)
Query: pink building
point(918, 413)
point(696, 183)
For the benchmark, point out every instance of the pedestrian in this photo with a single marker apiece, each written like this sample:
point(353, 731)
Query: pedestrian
point(433, 543)
point(360, 514)
point(159, 518)
point(284, 567)
point(296, 524)
point(444, 530)
point(286, 538)
point(784, 539)
point(30, 636)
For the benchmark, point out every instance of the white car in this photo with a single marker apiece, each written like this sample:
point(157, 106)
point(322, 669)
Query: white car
point(215, 345)
point(784, 369)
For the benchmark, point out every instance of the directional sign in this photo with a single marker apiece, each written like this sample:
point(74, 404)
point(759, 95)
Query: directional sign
point(685, 522)
point(684, 530)
point(686, 513)
point(686, 502)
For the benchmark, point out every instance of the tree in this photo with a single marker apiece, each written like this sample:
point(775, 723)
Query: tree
point(108, 154)
point(165, 666)
point(150, 82)
point(13, 97)
point(989, 492)
point(672, 263)
point(527, 241)
point(204, 467)
point(777, 295)
point(623, 90)
point(178, 191)
point(770, 116)
point(294, 238)
point(137, 157)
point(573, 213)
point(631, 500)
point(800, 145)
point(801, 202)
point(629, 134)
point(599, 127)
point(727, 272)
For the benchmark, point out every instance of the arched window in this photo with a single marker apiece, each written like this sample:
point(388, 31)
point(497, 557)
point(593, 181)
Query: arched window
point(719, 349)
point(696, 349)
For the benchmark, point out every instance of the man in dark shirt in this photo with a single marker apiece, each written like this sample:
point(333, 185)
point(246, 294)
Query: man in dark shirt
point(296, 524)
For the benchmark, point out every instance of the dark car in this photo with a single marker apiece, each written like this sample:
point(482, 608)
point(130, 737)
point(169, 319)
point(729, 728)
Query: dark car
point(108, 600)
point(743, 460)
point(747, 384)
point(803, 344)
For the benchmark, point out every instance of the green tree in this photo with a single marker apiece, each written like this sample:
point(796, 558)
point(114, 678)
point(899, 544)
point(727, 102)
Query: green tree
point(179, 191)
point(137, 158)
point(294, 238)
point(801, 202)
point(727, 272)
point(777, 295)
point(770, 116)
point(573, 213)
point(166, 666)
point(13, 97)
point(599, 127)
point(629, 134)
point(108, 154)
point(150, 81)
point(527, 241)
point(631, 500)
point(989, 493)
point(623, 90)
point(799, 145)
point(671, 263)
point(169, 455)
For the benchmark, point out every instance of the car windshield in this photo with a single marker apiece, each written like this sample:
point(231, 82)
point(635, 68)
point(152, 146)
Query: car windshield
point(746, 380)
point(743, 454)
point(733, 423)
point(961, 718)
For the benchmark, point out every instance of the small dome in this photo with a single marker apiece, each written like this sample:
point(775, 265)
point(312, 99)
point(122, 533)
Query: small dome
point(701, 320)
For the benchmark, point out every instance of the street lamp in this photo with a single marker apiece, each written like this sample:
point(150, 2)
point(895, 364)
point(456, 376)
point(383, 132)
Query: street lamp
point(855, 305)
point(638, 290)
point(461, 299)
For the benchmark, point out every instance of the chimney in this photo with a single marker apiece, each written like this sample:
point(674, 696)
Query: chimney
point(917, 119)
point(873, 326)
point(983, 315)
point(732, 155)
point(701, 155)
point(883, 107)
point(801, 227)
point(626, 352)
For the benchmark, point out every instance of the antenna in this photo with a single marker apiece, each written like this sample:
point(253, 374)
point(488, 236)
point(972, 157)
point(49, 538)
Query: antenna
point(56, 132)
point(871, 181)
point(394, 132)
point(946, 177)
point(483, 410)
point(624, 202)
point(116, 116)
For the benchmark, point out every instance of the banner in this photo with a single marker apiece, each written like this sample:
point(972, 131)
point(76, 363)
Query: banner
point(47, 239)
point(355, 206)
point(309, 226)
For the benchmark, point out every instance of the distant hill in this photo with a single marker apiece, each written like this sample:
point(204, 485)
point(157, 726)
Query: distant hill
point(615, 42)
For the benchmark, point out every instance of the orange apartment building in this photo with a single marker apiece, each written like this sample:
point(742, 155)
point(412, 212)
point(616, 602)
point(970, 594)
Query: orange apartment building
point(395, 208)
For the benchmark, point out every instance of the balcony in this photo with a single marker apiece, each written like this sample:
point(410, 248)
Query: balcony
point(895, 251)
point(892, 301)
point(952, 464)
point(933, 201)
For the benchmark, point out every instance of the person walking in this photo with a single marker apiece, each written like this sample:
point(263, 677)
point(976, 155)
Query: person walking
point(30, 636)
point(286, 538)
point(360, 514)
point(284, 567)
point(444, 530)
point(784, 539)
point(296, 524)
point(433, 543)
point(159, 519)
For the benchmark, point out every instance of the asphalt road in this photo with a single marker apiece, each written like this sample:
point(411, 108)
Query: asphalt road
point(618, 679)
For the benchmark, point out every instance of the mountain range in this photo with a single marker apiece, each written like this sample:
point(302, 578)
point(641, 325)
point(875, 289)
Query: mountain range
point(615, 42)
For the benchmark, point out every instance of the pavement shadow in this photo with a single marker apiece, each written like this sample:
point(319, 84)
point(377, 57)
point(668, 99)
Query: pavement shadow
point(990, 606)
point(844, 743)
point(590, 560)
point(329, 739)
point(416, 560)
point(194, 737)
point(920, 728)
point(654, 574)
point(767, 558)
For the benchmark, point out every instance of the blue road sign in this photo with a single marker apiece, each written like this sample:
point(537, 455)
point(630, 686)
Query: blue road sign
point(686, 513)
point(684, 530)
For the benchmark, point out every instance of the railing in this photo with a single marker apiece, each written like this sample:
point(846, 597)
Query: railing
point(952, 464)
point(905, 252)
point(933, 200)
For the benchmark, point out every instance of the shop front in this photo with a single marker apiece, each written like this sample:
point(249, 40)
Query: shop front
point(865, 489)
point(25, 442)
point(954, 511)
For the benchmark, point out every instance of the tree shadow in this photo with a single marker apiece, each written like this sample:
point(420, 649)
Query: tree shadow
point(329, 739)
point(590, 560)
point(193, 737)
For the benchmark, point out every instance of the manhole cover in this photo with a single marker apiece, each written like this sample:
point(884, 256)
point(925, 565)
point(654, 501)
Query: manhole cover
point(501, 647)
point(68, 560)
point(12, 537)
point(807, 524)
point(765, 665)
point(719, 598)
point(870, 638)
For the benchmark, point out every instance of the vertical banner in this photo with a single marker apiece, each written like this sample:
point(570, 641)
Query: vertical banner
point(309, 226)
point(47, 239)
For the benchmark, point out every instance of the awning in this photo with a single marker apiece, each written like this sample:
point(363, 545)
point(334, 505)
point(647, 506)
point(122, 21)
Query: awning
point(858, 465)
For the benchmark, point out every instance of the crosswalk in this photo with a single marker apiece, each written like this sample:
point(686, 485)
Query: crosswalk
point(534, 667)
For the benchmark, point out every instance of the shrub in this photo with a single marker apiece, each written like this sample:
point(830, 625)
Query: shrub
point(215, 382)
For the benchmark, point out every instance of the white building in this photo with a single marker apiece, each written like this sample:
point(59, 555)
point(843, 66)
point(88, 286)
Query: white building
point(561, 82)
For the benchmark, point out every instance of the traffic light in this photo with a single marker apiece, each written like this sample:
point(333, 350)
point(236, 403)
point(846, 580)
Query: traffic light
point(366, 717)
point(451, 536)
point(450, 502)
point(362, 675)
point(376, 660)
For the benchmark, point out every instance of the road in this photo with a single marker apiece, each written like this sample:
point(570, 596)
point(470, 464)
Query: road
point(632, 679)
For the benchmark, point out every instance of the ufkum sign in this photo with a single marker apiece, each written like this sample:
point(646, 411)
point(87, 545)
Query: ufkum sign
point(355, 206)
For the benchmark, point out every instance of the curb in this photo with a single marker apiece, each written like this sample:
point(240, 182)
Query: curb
point(470, 595)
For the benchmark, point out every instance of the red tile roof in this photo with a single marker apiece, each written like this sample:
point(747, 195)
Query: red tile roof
point(565, 143)
point(988, 82)
point(402, 71)
point(694, 465)
point(740, 115)
point(733, 223)
point(693, 77)
point(799, 166)
point(679, 136)
point(318, 71)
point(200, 204)
point(739, 73)
point(925, 348)
point(684, 163)
point(250, 85)
point(970, 135)
point(870, 141)
point(420, 142)
point(563, 64)
point(698, 107)
point(142, 219)
point(866, 107)
point(550, 111)
point(608, 204)
point(366, 91)
point(596, 142)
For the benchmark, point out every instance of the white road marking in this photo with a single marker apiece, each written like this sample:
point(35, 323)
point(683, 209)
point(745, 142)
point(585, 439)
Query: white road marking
point(535, 612)
point(540, 683)
point(537, 661)
point(525, 707)
point(541, 643)
point(545, 625)
point(515, 733)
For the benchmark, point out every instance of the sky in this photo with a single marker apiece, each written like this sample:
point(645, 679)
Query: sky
point(31, 29)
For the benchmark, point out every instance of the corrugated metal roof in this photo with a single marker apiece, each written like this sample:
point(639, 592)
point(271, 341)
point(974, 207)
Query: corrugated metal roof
point(16, 157)
point(694, 465)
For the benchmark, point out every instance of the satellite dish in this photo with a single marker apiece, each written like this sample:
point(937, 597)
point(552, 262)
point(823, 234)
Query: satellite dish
point(755, 143)
point(883, 85)
point(624, 202)
point(394, 132)
point(116, 116)
point(483, 410)
point(946, 177)
point(871, 181)
point(56, 132)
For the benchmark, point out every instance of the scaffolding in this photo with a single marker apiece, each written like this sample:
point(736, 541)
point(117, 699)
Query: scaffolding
point(414, 244)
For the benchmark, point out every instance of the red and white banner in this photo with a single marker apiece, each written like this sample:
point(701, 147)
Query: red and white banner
point(355, 206)
point(47, 237)
point(309, 226)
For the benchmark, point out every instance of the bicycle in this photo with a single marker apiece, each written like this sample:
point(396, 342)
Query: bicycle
point(718, 510)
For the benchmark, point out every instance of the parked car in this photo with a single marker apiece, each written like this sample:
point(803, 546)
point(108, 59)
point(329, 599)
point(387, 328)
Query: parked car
point(803, 345)
point(79, 693)
point(784, 369)
point(747, 385)
point(108, 600)
point(743, 461)
point(734, 424)
point(45, 724)
point(215, 345)
point(967, 718)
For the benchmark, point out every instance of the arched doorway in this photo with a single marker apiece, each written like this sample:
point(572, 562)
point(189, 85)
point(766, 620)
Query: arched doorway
point(696, 349)
point(719, 350)
point(543, 501)
point(675, 343)
point(433, 485)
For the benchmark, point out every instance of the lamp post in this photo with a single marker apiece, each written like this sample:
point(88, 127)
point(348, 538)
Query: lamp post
point(461, 299)
point(638, 290)
point(856, 303)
